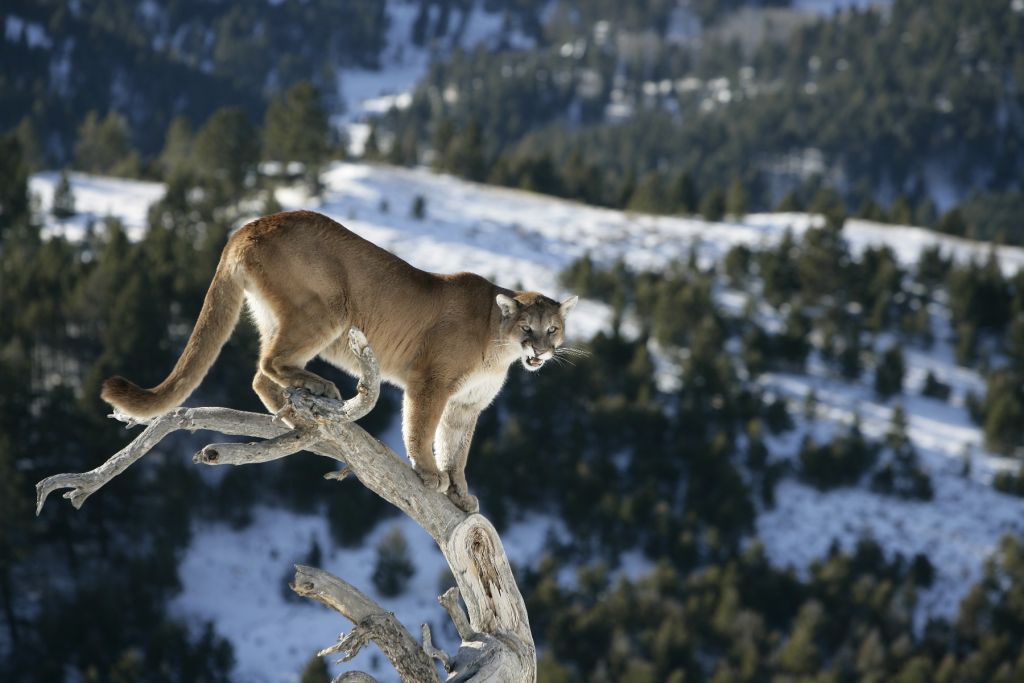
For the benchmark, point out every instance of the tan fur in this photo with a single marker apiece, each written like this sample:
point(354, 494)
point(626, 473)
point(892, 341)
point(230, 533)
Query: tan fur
point(447, 340)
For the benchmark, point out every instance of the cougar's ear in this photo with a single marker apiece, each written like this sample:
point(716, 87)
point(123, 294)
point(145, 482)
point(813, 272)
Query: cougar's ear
point(507, 304)
point(568, 305)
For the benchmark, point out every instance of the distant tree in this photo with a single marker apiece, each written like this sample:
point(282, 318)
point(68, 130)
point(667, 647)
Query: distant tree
point(14, 206)
point(419, 207)
point(790, 203)
point(1002, 411)
point(316, 670)
point(737, 264)
point(176, 157)
point(465, 154)
point(901, 213)
point(649, 195)
point(371, 146)
point(682, 193)
point(736, 204)
point(842, 462)
point(31, 152)
point(296, 129)
point(829, 204)
point(712, 205)
point(953, 223)
point(935, 388)
point(1011, 482)
point(870, 210)
point(394, 566)
point(889, 373)
point(800, 654)
point(105, 146)
point(226, 152)
point(63, 198)
point(902, 475)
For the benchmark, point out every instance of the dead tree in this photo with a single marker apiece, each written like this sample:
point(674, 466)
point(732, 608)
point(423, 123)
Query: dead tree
point(496, 641)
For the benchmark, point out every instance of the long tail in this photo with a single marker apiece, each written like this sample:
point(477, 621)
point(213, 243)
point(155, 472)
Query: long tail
point(217, 319)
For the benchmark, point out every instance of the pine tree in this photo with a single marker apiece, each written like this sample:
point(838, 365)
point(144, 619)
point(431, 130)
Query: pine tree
point(176, 157)
point(736, 199)
point(419, 207)
point(31, 152)
point(649, 195)
point(316, 671)
point(296, 129)
point(63, 198)
point(682, 193)
point(712, 206)
point(889, 373)
point(105, 146)
point(226, 152)
point(14, 205)
point(394, 565)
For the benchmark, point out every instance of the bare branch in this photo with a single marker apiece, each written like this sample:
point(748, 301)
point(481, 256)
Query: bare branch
point(450, 602)
point(261, 451)
point(371, 621)
point(433, 652)
point(223, 420)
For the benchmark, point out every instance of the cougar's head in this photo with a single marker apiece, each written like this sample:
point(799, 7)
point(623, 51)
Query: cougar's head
point(534, 324)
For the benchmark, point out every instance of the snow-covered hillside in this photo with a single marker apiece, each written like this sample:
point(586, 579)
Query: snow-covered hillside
point(369, 92)
point(521, 239)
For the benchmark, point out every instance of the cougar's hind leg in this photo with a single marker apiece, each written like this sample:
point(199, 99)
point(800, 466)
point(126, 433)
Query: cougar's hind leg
point(269, 392)
point(295, 343)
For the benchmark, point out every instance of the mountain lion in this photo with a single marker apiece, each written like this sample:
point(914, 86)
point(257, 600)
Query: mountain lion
point(446, 340)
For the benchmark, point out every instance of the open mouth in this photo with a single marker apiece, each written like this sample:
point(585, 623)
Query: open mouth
point(534, 362)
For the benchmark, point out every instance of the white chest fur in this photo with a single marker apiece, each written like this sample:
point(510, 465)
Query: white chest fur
point(479, 389)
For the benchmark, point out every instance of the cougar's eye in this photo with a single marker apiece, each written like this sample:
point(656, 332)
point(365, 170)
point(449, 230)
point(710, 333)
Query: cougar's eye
point(526, 328)
point(552, 329)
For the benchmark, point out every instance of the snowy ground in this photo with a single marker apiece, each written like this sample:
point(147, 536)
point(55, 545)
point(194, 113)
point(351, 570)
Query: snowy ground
point(521, 239)
point(97, 197)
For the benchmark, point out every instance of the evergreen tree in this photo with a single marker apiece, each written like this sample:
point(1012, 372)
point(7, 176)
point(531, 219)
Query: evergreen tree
point(316, 671)
point(889, 373)
point(296, 129)
point(63, 198)
point(14, 207)
point(226, 153)
point(394, 566)
point(176, 157)
point(712, 206)
point(28, 137)
point(682, 193)
point(649, 195)
point(105, 146)
point(736, 199)
point(419, 207)
point(465, 154)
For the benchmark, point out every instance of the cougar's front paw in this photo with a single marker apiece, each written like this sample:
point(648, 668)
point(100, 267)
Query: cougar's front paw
point(464, 501)
point(435, 481)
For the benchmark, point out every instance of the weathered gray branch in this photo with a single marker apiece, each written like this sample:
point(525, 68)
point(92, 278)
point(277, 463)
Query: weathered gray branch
point(371, 623)
point(433, 652)
point(450, 602)
point(497, 643)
